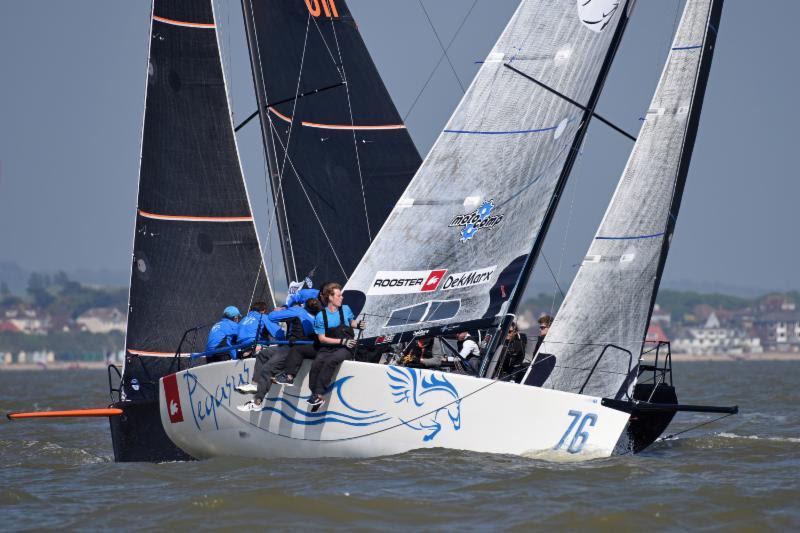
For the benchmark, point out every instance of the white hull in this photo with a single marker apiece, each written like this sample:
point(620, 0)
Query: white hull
point(376, 410)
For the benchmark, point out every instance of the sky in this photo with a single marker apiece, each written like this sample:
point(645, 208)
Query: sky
point(72, 96)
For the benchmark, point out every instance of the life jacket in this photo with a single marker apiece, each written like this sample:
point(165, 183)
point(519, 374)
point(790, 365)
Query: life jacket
point(342, 331)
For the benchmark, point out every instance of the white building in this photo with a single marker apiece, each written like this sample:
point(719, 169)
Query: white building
point(712, 338)
point(102, 320)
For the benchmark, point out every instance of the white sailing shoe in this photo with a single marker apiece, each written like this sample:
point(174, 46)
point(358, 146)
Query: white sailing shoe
point(249, 406)
point(249, 388)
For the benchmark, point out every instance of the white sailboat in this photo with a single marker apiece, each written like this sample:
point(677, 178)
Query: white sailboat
point(455, 254)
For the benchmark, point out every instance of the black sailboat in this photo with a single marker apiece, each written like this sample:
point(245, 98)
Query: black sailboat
point(196, 248)
point(195, 244)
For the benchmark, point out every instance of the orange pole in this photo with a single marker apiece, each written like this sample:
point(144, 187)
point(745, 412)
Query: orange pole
point(60, 414)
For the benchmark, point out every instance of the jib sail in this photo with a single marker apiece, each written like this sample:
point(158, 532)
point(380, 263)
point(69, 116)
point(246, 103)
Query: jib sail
point(607, 309)
point(458, 247)
point(195, 247)
point(339, 153)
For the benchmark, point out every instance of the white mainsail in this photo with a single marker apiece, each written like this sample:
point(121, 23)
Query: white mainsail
point(608, 306)
point(464, 234)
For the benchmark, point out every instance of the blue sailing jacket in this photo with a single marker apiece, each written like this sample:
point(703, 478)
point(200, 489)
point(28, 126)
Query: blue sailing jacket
point(298, 312)
point(254, 321)
point(223, 333)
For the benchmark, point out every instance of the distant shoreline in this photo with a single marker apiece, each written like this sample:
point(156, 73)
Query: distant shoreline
point(681, 357)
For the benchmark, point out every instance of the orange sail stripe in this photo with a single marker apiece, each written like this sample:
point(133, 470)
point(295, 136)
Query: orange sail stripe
point(59, 414)
point(184, 24)
point(187, 218)
point(339, 126)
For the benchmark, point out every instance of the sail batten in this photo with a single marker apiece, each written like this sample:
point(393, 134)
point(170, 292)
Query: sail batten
point(509, 147)
point(601, 325)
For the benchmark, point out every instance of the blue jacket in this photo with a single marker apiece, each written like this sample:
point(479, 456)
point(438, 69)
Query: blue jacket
point(223, 333)
point(301, 296)
point(296, 311)
point(333, 319)
point(254, 321)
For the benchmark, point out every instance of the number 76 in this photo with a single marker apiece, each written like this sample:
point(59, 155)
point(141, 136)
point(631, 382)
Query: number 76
point(581, 434)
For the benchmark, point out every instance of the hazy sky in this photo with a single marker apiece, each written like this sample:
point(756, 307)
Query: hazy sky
point(71, 106)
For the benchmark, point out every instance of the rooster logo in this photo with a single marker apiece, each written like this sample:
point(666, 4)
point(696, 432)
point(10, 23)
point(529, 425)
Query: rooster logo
point(410, 385)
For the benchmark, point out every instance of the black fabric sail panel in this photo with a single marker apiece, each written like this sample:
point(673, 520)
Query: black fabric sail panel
point(608, 306)
point(341, 157)
point(461, 238)
point(195, 246)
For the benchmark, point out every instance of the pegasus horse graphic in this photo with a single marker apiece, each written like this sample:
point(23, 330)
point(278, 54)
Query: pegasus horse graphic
point(412, 386)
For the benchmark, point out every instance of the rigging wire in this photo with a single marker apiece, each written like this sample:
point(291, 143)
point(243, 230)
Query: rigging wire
point(441, 45)
point(352, 124)
point(439, 62)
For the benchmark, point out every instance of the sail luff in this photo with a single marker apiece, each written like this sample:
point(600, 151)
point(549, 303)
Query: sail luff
point(604, 317)
point(138, 172)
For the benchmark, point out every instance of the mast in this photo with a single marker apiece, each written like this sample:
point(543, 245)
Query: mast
point(267, 141)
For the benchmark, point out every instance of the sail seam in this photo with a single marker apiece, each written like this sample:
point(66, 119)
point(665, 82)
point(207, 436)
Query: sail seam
point(508, 132)
point(632, 237)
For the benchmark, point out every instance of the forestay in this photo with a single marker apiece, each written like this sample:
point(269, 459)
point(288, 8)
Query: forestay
point(464, 235)
point(195, 248)
point(608, 306)
point(339, 153)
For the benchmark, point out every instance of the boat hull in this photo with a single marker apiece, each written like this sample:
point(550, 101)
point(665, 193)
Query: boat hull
point(138, 434)
point(375, 410)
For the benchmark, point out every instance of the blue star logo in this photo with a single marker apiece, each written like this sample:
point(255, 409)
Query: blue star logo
point(468, 232)
point(485, 209)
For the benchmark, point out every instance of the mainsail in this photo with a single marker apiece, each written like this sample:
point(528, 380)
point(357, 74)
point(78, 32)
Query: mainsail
point(339, 153)
point(457, 249)
point(195, 247)
point(607, 309)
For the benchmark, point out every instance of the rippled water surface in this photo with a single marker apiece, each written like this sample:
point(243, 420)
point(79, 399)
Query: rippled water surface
point(741, 472)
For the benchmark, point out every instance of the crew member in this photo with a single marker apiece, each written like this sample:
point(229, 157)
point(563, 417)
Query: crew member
point(253, 329)
point(542, 364)
point(469, 350)
point(334, 328)
point(300, 327)
point(513, 355)
point(224, 333)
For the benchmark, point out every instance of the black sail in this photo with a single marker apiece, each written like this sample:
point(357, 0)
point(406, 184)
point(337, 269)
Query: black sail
point(195, 246)
point(340, 155)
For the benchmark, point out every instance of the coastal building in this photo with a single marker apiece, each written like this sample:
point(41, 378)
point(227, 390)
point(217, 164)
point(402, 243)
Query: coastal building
point(27, 321)
point(102, 320)
point(713, 338)
point(779, 330)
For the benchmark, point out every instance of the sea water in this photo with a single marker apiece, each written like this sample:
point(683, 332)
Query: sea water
point(740, 472)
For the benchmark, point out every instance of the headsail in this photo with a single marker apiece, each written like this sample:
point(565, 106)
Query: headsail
point(195, 246)
point(339, 153)
point(460, 243)
point(608, 306)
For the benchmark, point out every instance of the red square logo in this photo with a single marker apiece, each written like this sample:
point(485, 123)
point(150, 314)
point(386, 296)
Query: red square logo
point(433, 280)
point(172, 398)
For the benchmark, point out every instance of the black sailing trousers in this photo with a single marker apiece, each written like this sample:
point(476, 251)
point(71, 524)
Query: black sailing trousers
point(324, 367)
point(296, 356)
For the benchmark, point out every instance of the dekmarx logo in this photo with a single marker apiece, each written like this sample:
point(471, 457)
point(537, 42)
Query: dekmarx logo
point(406, 281)
point(461, 280)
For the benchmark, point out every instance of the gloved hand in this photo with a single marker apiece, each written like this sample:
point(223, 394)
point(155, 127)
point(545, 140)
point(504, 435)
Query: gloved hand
point(361, 324)
point(350, 344)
